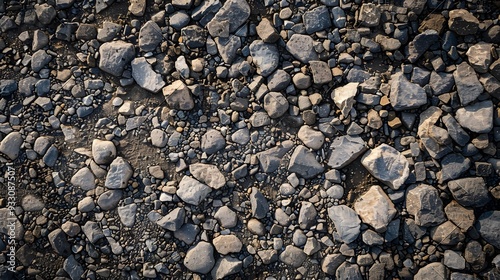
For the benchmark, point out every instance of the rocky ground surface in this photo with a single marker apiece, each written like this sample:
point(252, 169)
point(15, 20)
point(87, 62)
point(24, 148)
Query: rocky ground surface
point(207, 139)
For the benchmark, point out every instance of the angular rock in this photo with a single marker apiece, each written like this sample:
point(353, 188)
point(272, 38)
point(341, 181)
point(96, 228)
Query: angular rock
point(200, 258)
point(145, 77)
point(469, 191)
point(7, 87)
point(293, 256)
point(73, 268)
point(11, 145)
point(477, 117)
point(344, 150)
point(479, 56)
point(345, 97)
point(375, 208)
point(59, 242)
point(194, 36)
point(137, 7)
point(226, 266)
point(227, 218)
point(92, 231)
point(259, 204)
point(227, 47)
point(447, 234)
point(303, 162)
point(267, 32)
point(307, 215)
point(456, 132)
point(208, 174)
point(452, 166)
point(347, 222)
point(468, 86)
point(226, 244)
point(434, 270)
point(109, 200)
point(317, 19)
point(488, 225)
point(348, 271)
point(301, 47)
point(369, 15)
point(321, 72)
point(234, 13)
point(331, 262)
point(475, 256)
point(265, 57)
point(441, 82)
point(150, 36)
point(127, 214)
point(84, 179)
point(192, 191)
point(275, 104)
point(424, 203)
point(421, 43)
point(311, 138)
point(406, 95)
point(174, 220)
point(118, 175)
point(278, 80)
point(39, 59)
point(114, 56)
point(387, 164)
point(460, 216)
point(463, 22)
point(453, 259)
point(212, 141)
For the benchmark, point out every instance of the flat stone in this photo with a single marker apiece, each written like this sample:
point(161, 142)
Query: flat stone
point(434, 270)
point(278, 80)
point(459, 215)
point(479, 56)
point(212, 141)
point(208, 174)
point(256, 227)
point(194, 36)
point(441, 82)
point(159, 138)
point(187, 233)
point(109, 31)
point(268, 256)
point(114, 56)
point(259, 204)
point(145, 77)
point(463, 22)
point(456, 132)
point(387, 164)
point(92, 231)
point(421, 43)
point(347, 222)
point(174, 220)
point(7, 87)
point(469, 191)
point(118, 175)
point(59, 242)
point(200, 258)
point(226, 266)
point(375, 208)
point(227, 218)
point(369, 15)
point(45, 13)
point(192, 191)
point(150, 36)
point(406, 95)
point(452, 167)
point(301, 47)
point(344, 150)
point(227, 244)
point(32, 203)
point(468, 86)
point(317, 19)
point(321, 72)
point(453, 260)
point(103, 151)
point(275, 104)
point(127, 214)
point(234, 12)
point(265, 56)
point(424, 203)
point(348, 271)
point(447, 234)
point(303, 162)
point(293, 256)
point(310, 137)
point(488, 225)
point(331, 262)
point(84, 179)
point(86, 204)
point(307, 215)
point(137, 7)
point(345, 97)
point(11, 145)
point(477, 117)
point(109, 199)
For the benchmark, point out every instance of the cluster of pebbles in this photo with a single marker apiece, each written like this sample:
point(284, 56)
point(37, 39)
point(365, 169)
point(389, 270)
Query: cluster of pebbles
point(264, 139)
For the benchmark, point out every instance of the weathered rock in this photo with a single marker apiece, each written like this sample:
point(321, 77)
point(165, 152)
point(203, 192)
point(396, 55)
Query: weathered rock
point(348, 271)
point(460, 216)
point(103, 152)
point(311, 138)
point(145, 77)
point(59, 242)
point(178, 96)
point(452, 166)
point(118, 175)
point(477, 117)
point(92, 231)
point(275, 104)
point(39, 60)
point(174, 220)
point(331, 262)
point(192, 191)
point(345, 97)
point(293, 256)
point(447, 234)
point(347, 222)
point(421, 43)
point(468, 85)
point(488, 225)
point(424, 203)
point(278, 80)
point(317, 19)
point(301, 47)
point(375, 208)
point(45, 13)
point(475, 256)
point(470, 191)
point(109, 200)
point(226, 217)
point(127, 214)
point(226, 266)
point(212, 141)
point(226, 244)
point(369, 15)
point(265, 56)
point(137, 7)
point(267, 32)
point(406, 95)
point(387, 164)
point(434, 270)
point(150, 36)
point(307, 215)
point(303, 162)
point(456, 132)
point(479, 56)
point(234, 13)
point(194, 36)
point(200, 258)
point(441, 82)
point(344, 150)
point(259, 204)
point(114, 56)
point(208, 174)
point(11, 145)
point(84, 179)
point(321, 72)
point(453, 259)
point(73, 268)
point(463, 22)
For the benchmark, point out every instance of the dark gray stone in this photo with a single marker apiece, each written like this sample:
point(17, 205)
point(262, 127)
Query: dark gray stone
point(469, 191)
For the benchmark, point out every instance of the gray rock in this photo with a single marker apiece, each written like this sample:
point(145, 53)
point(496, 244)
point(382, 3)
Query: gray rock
point(227, 47)
point(301, 80)
point(226, 266)
point(344, 150)
point(475, 256)
point(227, 244)
point(127, 214)
point(92, 231)
point(468, 86)
point(331, 262)
point(477, 117)
point(311, 138)
point(85, 32)
point(212, 141)
point(321, 72)
point(387, 43)
point(39, 59)
point(369, 15)
point(86, 204)
point(421, 43)
point(194, 36)
point(114, 56)
point(339, 18)
point(259, 204)
point(406, 95)
point(182, 4)
point(103, 151)
point(234, 13)
point(32, 203)
point(301, 47)
point(441, 82)
point(490, 84)
point(488, 225)
point(293, 256)
point(187, 233)
point(303, 162)
point(173, 220)
point(118, 175)
point(348, 271)
point(452, 166)
point(307, 215)
point(456, 132)
point(59, 242)
point(453, 260)
point(178, 96)
point(434, 270)
point(479, 56)
point(208, 174)
point(159, 138)
point(45, 13)
point(463, 22)
point(11, 145)
point(256, 227)
point(371, 238)
point(264, 56)
point(278, 80)
point(227, 218)
point(200, 258)
point(73, 268)
point(415, 6)
point(275, 104)
point(347, 222)
point(192, 191)
point(387, 164)
point(84, 179)
point(267, 32)
point(108, 31)
point(241, 136)
point(345, 97)
point(375, 208)
point(182, 67)
point(268, 256)
point(447, 234)
point(424, 203)
point(50, 157)
point(469, 191)
point(317, 19)
point(145, 77)
point(421, 76)
point(260, 119)
point(460, 216)
point(7, 87)
point(109, 199)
